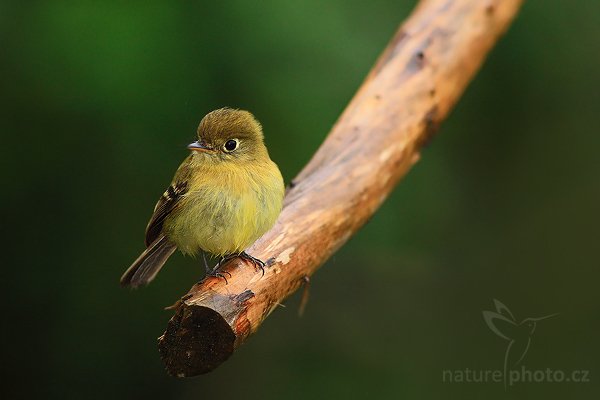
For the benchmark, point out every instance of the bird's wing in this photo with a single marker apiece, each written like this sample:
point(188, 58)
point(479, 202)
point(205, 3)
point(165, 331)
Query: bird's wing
point(164, 207)
point(503, 310)
point(168, 202)
point(500, 325)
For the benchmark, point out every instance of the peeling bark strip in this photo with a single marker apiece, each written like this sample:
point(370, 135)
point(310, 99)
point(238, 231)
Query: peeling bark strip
point(411, 89)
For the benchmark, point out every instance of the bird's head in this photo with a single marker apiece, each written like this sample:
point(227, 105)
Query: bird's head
point(229, 135)
point(531, 323)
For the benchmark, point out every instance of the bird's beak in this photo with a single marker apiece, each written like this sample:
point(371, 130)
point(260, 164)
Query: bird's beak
point(543, 318)
point(200, 146)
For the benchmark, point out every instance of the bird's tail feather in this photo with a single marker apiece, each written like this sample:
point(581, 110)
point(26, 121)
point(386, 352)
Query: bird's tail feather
point(148, 264)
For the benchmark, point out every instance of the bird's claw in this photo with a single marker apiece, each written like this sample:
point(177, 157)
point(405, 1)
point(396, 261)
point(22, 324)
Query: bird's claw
point(257, 262)
point(219, 274)
point(214, 272)
point(243, 255)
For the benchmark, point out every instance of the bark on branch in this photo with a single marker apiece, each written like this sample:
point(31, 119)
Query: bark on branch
point(414, 84)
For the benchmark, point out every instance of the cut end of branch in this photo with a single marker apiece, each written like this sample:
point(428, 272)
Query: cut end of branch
point(197, 340)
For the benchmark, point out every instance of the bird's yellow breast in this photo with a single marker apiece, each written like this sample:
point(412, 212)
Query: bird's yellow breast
point(228, 209)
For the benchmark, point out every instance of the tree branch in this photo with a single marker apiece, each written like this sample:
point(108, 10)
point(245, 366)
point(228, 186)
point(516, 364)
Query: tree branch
point(414, 84)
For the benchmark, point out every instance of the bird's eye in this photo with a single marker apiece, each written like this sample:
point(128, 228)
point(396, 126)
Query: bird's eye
point(231, 145)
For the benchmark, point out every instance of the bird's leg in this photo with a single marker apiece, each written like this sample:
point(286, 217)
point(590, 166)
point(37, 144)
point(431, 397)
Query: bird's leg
point(215, 270)
point(223, 261)
point(206, 267)
point(243, 255)
point(259, 263)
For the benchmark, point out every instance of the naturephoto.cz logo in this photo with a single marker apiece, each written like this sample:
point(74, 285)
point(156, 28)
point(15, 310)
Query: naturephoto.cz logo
point(518, 336)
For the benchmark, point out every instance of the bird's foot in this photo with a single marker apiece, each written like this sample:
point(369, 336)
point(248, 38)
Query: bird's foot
point(243, 255)
point(219, 274)
point(257, 262)
point(215, 270)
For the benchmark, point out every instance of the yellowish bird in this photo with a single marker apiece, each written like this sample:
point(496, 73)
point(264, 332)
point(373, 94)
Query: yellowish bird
point(225, 195)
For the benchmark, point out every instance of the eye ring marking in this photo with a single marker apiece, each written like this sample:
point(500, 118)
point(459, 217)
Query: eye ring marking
point(231, 145)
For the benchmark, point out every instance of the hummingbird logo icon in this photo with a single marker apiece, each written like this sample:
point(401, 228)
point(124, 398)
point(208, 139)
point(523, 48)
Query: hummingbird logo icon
point(518, 334)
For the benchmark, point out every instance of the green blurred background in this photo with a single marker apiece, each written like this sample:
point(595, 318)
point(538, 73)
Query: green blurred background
point(99, 100)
